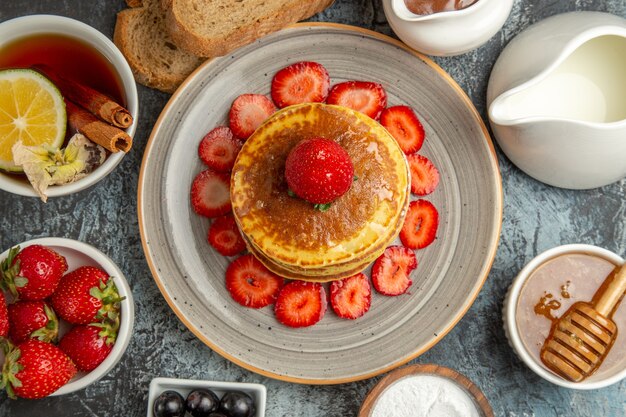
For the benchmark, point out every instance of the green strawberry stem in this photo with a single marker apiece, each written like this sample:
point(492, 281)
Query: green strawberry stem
point(109, 313)
point(109, 296)
point(109, 327)
point(11, 367)
point(50, 331)
point(10, 280)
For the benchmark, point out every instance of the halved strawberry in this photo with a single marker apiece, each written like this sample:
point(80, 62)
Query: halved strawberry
point(302, 82)
point(225, 237)
point(420, 226)
point(219, 149)
point(351, 297)
point(248, 112)
point(391, 271)
point(424, 175)
point(364, 96)
point(404, 126)
point(251, 284)
point(210, 194)
point(300, 304)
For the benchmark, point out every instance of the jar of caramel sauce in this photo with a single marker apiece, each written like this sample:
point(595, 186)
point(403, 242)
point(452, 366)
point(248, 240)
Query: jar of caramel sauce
point(436, 6)
point(549, 292)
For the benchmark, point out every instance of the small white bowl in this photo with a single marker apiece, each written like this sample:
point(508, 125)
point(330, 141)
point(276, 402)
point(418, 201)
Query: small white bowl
point(80, 254)
point(451, 32)
point(511, 330)
point(185, 386)
point(25, 26)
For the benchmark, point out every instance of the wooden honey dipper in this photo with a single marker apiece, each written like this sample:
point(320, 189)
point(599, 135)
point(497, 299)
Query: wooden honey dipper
point(580, 340)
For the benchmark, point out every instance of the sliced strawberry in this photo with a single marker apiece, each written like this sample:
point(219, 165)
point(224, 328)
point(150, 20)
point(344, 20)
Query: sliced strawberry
point(225, 237)
point(219, 149)
point(391, 271)
point(420, 226)
point(251, 284)
point(351, 297)
point(424, 175)
point(300, 304)
point(404, 126)
point(364, 96)
point(248, 112)
point(302, 82)
point(210, 194)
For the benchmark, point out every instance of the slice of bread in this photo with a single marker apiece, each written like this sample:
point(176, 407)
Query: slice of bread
point(155, 60)
point(215, 27)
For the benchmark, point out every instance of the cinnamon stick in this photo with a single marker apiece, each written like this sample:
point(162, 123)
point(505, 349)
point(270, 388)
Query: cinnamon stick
point(105, 135)
point(92, 100)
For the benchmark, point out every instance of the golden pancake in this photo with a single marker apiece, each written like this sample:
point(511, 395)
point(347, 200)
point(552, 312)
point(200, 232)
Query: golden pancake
point(288, 234)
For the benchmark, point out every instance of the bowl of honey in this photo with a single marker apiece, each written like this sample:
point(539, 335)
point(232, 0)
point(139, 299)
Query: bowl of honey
point(544, 290)
point(82, 62)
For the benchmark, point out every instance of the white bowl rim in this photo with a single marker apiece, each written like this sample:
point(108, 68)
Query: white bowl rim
point(127, 312)
point(43, 23)
point(511, 307)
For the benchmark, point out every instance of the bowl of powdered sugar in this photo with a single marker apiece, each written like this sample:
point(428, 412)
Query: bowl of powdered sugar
point(425, 391)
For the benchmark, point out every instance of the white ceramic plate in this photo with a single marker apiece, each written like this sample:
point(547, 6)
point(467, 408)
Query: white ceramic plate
point(79, 254)
point(452, 270)
point(185, 386)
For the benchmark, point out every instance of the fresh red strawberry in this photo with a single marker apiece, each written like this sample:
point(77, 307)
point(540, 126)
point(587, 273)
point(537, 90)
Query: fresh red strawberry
point(32, 273)
point(4, 317)
point(300, 304)
point(420, 226)
point(319, 170)
point(351, 297)
point(364, 96)
point(210, 194)
point(86, 295)
point(424, 175)
point(89, 345)
point(248, 112)
point(302, 82)
point(391, 271)
point(219, 149)
point(35, 369)
point(404, 126)
point(225, 237)
point(251, 284)
point(32, 319)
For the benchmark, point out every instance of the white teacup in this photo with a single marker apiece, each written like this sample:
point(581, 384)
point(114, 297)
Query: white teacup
point(14, 29)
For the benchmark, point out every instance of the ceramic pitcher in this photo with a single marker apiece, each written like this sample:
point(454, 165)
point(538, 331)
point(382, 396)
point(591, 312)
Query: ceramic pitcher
point(557, 100)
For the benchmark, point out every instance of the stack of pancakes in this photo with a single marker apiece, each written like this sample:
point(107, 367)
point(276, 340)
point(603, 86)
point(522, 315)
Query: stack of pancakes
point(290, 236)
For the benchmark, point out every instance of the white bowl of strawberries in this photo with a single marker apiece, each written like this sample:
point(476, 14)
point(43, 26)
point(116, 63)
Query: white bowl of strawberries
point(66, 317)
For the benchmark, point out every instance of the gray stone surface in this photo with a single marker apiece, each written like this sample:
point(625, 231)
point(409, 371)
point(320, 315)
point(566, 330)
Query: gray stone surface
point(536, 217)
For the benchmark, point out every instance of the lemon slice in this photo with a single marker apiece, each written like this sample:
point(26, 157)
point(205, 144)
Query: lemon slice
point(31, 110)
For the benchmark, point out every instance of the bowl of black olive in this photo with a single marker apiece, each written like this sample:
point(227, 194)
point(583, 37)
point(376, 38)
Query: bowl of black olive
point(172, 397)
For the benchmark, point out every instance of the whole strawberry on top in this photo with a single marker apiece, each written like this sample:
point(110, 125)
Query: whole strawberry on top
point(35, 369)
point(319, 170)
point(32, 273)
point(32, 319)
point(86, 295)
point(89, 345)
